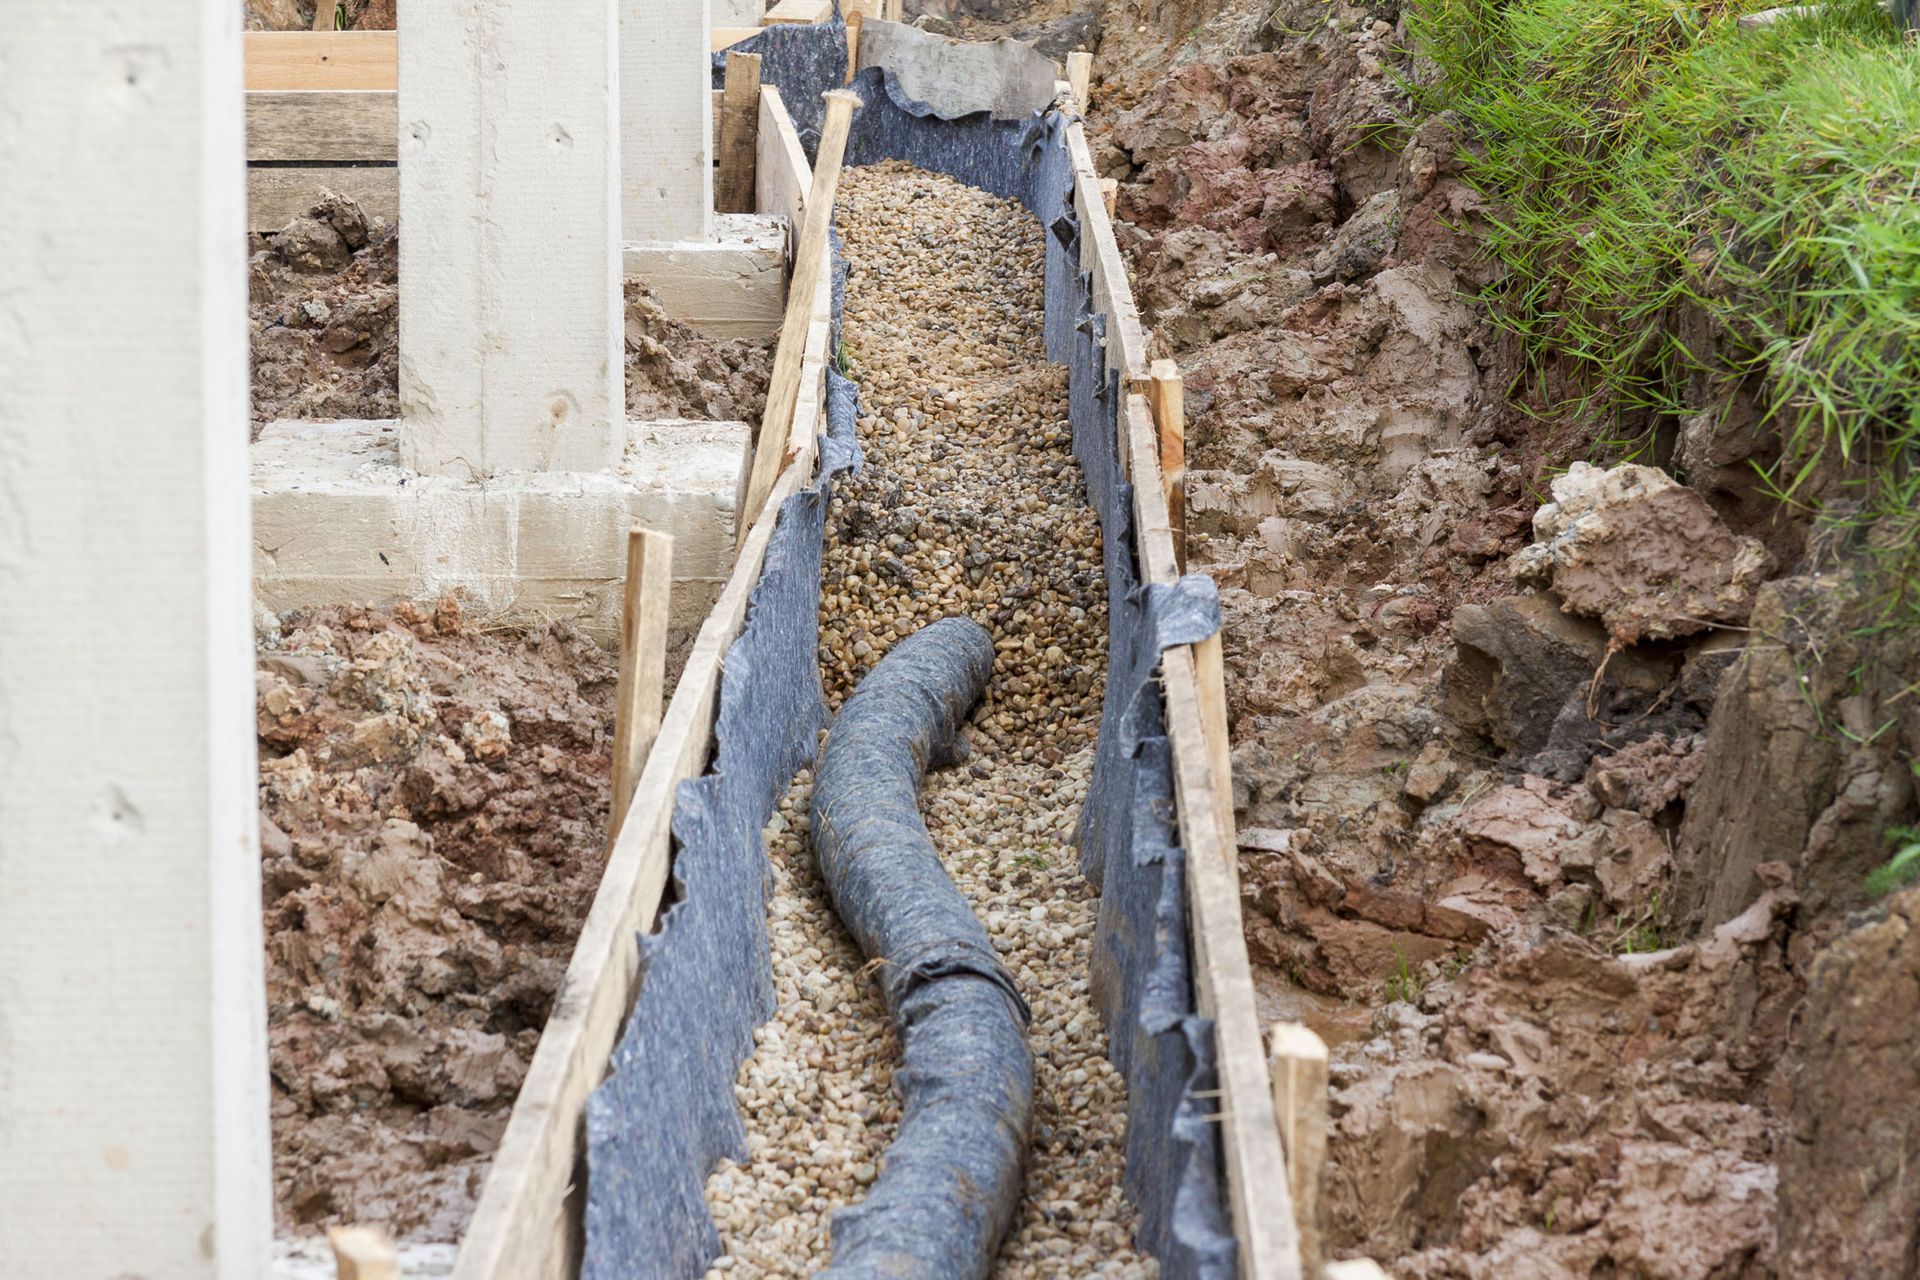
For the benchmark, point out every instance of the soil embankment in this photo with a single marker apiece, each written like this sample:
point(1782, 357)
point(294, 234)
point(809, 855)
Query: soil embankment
point(434, 803)
point(1557, 783)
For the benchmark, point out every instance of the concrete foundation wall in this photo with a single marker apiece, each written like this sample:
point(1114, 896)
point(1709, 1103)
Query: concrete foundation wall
point(133, 1060)
point(734, 286)
point(510, 310)
point(666, 150)
point(338, 520)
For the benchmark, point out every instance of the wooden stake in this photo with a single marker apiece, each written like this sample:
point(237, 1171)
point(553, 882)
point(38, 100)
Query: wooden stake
point(1355, 1269)
point(363, 1253)
point(783, 389)
point(1210, 681)
point(854, 20)
point(1297, 1059)
point(1168, 393)
point(643, 663)
point(1110, 194)
point(739, 134)
point(1080, 76)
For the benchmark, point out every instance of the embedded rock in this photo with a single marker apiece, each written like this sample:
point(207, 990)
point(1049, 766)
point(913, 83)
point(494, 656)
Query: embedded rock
point(1642, 553)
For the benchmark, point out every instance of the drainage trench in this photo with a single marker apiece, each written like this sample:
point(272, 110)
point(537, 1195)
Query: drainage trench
point(969, 503)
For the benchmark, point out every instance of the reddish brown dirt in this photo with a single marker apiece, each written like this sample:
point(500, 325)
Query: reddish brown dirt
point(325, 322)
point(297, 15)
point(434, 802)
point(1575, 861)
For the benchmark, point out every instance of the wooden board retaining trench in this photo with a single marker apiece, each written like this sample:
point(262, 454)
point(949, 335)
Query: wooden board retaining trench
point(1195, 694)
point(529, 1220)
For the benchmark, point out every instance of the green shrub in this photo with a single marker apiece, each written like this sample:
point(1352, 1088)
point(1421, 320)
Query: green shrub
point(1649, 156)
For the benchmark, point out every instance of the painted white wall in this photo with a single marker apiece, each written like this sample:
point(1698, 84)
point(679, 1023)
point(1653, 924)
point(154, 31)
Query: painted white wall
point(511, 319)
point(666, 147)
point(133, 1071)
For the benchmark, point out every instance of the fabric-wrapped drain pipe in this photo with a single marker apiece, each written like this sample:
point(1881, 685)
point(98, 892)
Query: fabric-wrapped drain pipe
point(953, 1172)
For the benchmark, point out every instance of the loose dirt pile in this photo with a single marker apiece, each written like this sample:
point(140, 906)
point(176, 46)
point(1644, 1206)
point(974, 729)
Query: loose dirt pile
point(325, 324)
point(434, 802)
point(970, 503)
point(1511, 775)
point(324, 317)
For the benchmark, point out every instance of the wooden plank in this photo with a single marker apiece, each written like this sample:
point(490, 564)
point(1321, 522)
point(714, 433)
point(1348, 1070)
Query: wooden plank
point(276, 197)
point(643, 663)
point(320, 124)
point(781, 173)
point(526, 1223)
point(1297, 1062)
point(1100, 255)
point(719, 38)
point(363, 1253)
point(739, 116)
point(1257, 1187)
point(783, 386)
point(1080, 79)
point(1167, 395)
point(322, 59)
point(800, 11)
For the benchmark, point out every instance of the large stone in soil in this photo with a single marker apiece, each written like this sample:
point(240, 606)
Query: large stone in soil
point(1521, 662)
point(1849, 1203)
point(1641, 552)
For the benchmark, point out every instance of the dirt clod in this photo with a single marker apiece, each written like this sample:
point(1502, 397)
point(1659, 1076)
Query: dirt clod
point(423, 885)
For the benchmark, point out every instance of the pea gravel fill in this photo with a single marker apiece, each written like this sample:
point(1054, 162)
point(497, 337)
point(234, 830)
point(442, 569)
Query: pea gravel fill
point(827, 1137)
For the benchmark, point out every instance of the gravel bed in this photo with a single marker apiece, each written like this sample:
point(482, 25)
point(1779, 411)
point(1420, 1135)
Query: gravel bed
point(970, 503)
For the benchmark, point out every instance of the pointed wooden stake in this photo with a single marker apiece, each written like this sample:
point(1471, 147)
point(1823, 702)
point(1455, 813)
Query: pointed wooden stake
point(1168, 394)
point(643, 664)
point(363, 1253)
point(1297, 1059)
point(1080, 76)
point(854, 20)
point(739, 133)
point(783, 389)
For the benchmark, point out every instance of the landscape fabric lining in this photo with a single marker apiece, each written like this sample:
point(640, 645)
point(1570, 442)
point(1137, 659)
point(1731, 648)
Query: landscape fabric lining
point(667, 1114)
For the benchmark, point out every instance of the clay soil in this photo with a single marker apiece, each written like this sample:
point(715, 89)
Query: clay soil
point(1554, 823)
point(325, 321)
point(434, 803)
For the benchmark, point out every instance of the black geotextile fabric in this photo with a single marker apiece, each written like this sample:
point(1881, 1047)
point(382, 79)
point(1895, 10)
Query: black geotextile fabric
point(656, 1128)
point(804, 61)
point(666, 1113)
point(951, 1179)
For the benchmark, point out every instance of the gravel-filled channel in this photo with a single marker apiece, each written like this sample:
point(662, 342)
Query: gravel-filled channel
point(970, 503)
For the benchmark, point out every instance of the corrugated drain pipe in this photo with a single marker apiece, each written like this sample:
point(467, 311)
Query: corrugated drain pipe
point(953, 1172)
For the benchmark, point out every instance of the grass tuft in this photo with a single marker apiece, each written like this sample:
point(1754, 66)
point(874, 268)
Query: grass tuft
point(1657, 166)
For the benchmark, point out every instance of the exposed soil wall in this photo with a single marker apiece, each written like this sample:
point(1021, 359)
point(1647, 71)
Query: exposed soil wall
point(434, 803)
point(1561, 781)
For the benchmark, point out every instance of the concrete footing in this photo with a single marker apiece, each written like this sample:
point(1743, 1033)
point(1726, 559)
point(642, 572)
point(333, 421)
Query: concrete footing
point(338, 520)
point(733, 286)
